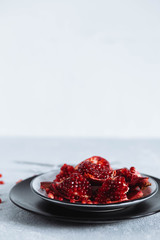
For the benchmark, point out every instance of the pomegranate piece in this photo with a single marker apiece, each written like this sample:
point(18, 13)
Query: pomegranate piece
point(133, 177)
point(65, 172)
point(99, 160)
point(51, 191)
point(53, 195)
point(75, 188)
point(94, 182)
point(20, 180)
point(141, 182)
point(112, 190)
point(95, 168)
point(96, 160)
point(134, 193)
point(45, 185)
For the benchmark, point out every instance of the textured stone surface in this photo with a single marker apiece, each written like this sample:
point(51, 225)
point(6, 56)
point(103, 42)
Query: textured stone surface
point(22, 158)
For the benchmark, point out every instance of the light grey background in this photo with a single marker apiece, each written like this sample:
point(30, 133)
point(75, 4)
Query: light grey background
point(80, 68)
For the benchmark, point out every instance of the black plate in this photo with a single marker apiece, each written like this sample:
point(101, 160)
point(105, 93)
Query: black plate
point(22, 196)
point(49, 176)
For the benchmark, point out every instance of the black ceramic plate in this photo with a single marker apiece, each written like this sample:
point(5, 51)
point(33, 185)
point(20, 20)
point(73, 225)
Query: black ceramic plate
point(22, 196)
point(49, 176)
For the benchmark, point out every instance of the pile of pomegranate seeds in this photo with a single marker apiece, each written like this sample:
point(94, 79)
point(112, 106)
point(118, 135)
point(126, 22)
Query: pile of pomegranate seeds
point(1, 182)
point(93, 181)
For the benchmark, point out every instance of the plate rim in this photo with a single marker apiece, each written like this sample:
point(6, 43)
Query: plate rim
point(94, 206)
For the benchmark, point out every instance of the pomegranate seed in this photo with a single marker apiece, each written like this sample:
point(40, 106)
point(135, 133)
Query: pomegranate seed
point(95, 202)
point(1, 182)
point(50, 195)
point(20, 180)
point(60, 199)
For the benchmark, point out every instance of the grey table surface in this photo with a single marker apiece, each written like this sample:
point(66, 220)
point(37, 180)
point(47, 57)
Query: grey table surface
point(21, 158)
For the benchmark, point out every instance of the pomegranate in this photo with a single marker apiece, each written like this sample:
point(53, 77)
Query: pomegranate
point(45, 185)
point(134, 193)
point(94, 182)
point(96, 169)
point(50, 188)
point(66, 171)
point(133, 177)
point(75, 188)
point(112, 190)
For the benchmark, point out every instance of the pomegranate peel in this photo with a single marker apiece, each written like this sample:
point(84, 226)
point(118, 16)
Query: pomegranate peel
point(134, 194)
point(45, 185)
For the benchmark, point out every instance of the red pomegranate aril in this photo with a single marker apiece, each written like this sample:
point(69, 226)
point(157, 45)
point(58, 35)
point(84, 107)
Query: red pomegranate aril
point(95, 202)
point(20, 180)
point(50, 195)
point(1, 182)
point(89, 202)
point(47, 190)
point(60, 199)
